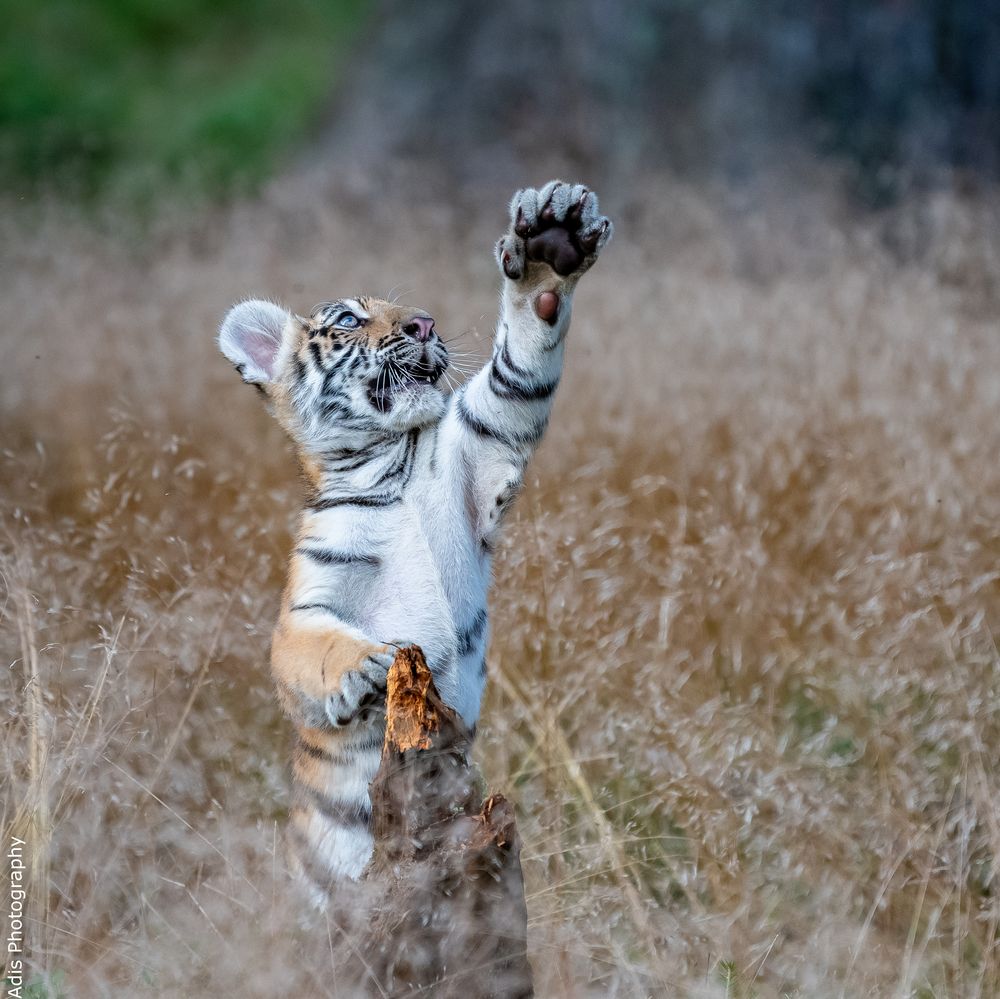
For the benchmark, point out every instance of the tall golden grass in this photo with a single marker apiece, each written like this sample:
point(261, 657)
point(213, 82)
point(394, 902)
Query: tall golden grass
point(745, 688)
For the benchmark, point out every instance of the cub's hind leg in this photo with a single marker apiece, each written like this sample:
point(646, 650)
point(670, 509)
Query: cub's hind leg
point(328, 836)
point(331, 682)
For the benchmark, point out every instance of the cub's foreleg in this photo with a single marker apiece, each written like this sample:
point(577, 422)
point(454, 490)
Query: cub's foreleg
point(327, 672)
point(555, 236)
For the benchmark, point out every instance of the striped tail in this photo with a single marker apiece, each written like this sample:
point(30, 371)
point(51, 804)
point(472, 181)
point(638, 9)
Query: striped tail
point(328, 834)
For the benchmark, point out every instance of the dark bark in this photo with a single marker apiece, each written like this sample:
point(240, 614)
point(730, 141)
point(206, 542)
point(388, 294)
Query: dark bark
point(452, 921)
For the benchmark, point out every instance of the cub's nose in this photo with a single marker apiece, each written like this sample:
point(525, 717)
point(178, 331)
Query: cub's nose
point(420, 328)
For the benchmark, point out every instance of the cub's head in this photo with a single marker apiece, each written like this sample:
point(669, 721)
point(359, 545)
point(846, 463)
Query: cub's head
point(355, 367)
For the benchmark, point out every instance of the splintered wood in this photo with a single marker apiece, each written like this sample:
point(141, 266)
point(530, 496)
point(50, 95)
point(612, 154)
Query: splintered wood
point(411, 717)
point(452, 922)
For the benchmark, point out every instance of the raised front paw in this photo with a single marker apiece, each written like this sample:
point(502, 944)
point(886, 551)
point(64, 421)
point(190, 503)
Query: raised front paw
point(559, 226)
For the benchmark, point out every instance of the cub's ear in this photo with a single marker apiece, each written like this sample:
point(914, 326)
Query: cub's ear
point(250, 336)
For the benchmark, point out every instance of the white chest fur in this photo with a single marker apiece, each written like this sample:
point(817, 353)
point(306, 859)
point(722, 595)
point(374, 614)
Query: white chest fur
point(411, 571)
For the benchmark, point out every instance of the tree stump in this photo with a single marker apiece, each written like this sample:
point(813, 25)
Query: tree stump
point(451, 921)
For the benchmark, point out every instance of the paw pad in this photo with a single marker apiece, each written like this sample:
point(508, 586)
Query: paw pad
point(560, 226)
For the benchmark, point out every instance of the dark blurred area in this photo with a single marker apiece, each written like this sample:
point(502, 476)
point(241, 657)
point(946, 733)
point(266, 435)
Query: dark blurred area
point(94, 96)
point(905, 91)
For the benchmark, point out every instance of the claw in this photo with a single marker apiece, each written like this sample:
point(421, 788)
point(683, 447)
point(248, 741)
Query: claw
point(509, 267)
point(589, 240)
point(546, 193)
point(588, 210)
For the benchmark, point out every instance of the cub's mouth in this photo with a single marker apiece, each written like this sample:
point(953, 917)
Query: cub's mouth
point(395, 377)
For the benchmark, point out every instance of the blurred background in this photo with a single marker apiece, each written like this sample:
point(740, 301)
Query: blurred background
point(131, 97)
point(744, 684)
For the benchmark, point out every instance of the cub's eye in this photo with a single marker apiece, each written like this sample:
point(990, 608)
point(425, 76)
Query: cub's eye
point(348, 321)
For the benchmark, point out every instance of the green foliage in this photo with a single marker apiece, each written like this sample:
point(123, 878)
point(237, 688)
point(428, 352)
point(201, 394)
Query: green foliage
point(136, 94)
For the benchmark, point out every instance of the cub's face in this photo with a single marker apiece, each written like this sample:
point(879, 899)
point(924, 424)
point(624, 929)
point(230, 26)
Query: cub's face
point(356, 366)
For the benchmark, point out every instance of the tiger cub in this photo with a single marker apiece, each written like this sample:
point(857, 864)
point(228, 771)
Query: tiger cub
point(407, 489)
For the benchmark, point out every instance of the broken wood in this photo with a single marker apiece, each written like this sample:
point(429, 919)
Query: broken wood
point(452, 920)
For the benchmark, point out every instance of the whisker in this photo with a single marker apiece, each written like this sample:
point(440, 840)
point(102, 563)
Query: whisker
point(458, 352)
point(396, 373)
point(466, 353)
point(396, 292)
point(458, 336)
point(465, 368)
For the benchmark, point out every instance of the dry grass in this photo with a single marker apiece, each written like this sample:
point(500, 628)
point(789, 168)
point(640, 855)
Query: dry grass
point(745, 681)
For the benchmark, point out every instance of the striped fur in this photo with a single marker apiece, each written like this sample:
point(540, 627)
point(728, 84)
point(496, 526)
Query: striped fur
point(407, 491)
